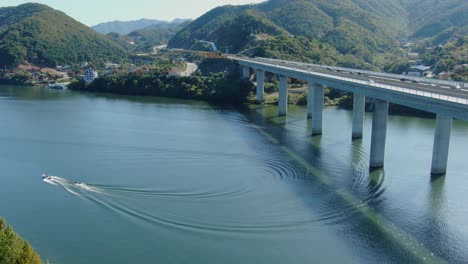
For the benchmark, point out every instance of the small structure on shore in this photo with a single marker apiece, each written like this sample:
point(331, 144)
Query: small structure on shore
point(89, 75)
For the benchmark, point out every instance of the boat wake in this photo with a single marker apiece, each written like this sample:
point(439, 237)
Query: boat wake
point(75, 188)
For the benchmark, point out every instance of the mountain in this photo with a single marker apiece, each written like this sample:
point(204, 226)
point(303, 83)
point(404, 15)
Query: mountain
point(434, 18)
point(352, 26)
point(126, 27)
point(43, 36)
point(360, 28)
point(144, 40)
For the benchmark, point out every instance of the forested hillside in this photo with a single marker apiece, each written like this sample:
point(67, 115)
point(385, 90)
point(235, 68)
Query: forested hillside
point(351, 26)
point(43, 36)
point(126, 27)
point(430, 18)
point(345, 32)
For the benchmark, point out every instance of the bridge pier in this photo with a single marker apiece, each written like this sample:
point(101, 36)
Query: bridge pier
point(245, 72)
point(316, 107)
point(379, 134)
point(283, 96)
point(310, 99)
point(441, 144)
point(260, 85)
point(359, 104)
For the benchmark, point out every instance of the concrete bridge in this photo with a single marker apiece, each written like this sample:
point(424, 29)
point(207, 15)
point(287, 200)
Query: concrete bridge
point(448, 100)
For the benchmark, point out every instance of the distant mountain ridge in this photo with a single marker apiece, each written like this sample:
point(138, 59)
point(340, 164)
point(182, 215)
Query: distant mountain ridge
point(144, 40)
point(126, 27)
point(38, 34)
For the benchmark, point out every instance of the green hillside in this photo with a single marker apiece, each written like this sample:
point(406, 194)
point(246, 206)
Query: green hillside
point(125, 27)
point(352, 26)
point(43, 36)
point(147, 38)
point(356, 32)
point(429, 18)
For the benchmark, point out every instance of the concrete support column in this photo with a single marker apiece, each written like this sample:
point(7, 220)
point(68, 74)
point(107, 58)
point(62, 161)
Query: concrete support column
point(260, 85)
point(379, 134)
point(317, 109)
point(310, 99)
point(359, 104)
point(283, 96)
point(441, 144)
point(245, 72)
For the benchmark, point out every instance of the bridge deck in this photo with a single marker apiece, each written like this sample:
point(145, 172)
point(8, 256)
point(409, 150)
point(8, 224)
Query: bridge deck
point(424, 94)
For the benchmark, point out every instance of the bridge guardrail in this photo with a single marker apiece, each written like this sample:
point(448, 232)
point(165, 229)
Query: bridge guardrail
point(375, 84)
point(390, 75)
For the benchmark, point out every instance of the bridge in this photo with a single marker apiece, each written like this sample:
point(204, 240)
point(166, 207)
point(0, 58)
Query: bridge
point(448, 100)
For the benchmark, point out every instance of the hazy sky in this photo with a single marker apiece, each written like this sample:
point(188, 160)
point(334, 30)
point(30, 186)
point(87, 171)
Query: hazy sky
point(91, 12)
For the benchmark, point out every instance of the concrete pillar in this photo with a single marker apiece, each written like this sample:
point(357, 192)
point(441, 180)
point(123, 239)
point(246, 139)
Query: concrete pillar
point(283, 96)
point(245, 72)
point(441, 144)
point(359, 104)
point(260, 85)
point(379, 134)
point(317, 109)
point(310, 99)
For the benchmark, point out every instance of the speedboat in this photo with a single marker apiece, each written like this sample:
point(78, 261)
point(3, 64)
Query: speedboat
point(46, 177)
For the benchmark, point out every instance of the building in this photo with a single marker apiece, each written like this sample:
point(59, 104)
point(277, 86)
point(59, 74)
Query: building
point(420, 71)
point(413, 55)
point(89, 75)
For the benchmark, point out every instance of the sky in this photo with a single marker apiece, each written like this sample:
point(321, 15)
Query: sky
point(92, 12)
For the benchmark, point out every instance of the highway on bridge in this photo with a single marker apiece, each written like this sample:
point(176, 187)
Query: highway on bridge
point(447, 99)
point(416, 83)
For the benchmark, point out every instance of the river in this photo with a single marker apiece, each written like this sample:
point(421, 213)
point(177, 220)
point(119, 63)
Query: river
point(152, 180)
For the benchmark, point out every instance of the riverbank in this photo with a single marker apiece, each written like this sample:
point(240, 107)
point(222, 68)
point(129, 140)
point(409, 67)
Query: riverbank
point(217, 88)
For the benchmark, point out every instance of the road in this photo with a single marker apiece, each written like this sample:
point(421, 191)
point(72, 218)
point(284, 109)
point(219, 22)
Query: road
point(419, 84)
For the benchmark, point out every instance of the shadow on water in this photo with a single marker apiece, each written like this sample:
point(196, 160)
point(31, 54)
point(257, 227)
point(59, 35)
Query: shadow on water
point(355, 209)
point(434, 225)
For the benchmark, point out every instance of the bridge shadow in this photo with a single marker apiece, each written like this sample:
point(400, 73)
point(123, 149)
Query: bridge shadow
point(347, 207)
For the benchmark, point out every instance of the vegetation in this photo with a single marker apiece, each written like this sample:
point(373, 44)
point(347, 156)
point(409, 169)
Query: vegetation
point(218, 88)
point(352, 27)
point(43, 36)
point(306, 50)
point(429, 18)
point(451, 58)
point(351, 33)
point(13, 249)
point(19, 77)
point(125, 27)
point(145, 39)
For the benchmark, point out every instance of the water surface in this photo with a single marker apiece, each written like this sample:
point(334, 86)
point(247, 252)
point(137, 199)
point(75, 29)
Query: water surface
point(147, 180)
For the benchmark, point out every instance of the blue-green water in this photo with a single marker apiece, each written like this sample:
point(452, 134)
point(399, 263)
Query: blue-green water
point(141, 180)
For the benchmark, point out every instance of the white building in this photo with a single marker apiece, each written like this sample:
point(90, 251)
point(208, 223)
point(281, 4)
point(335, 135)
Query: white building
point(420, 71)
point(89, 75)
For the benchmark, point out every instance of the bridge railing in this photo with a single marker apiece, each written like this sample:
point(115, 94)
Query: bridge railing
point(390, 75)
point(439, 96)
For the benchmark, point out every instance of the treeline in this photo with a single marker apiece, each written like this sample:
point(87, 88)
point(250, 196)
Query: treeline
point(19, 77)
point(13, 249)
point(219, 88)
point(306, 50)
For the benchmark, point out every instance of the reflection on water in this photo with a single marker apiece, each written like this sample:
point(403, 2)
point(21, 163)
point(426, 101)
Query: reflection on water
point(186, 182)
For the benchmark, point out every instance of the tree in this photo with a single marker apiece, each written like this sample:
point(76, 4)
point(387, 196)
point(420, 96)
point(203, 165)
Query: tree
point(13, 249)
